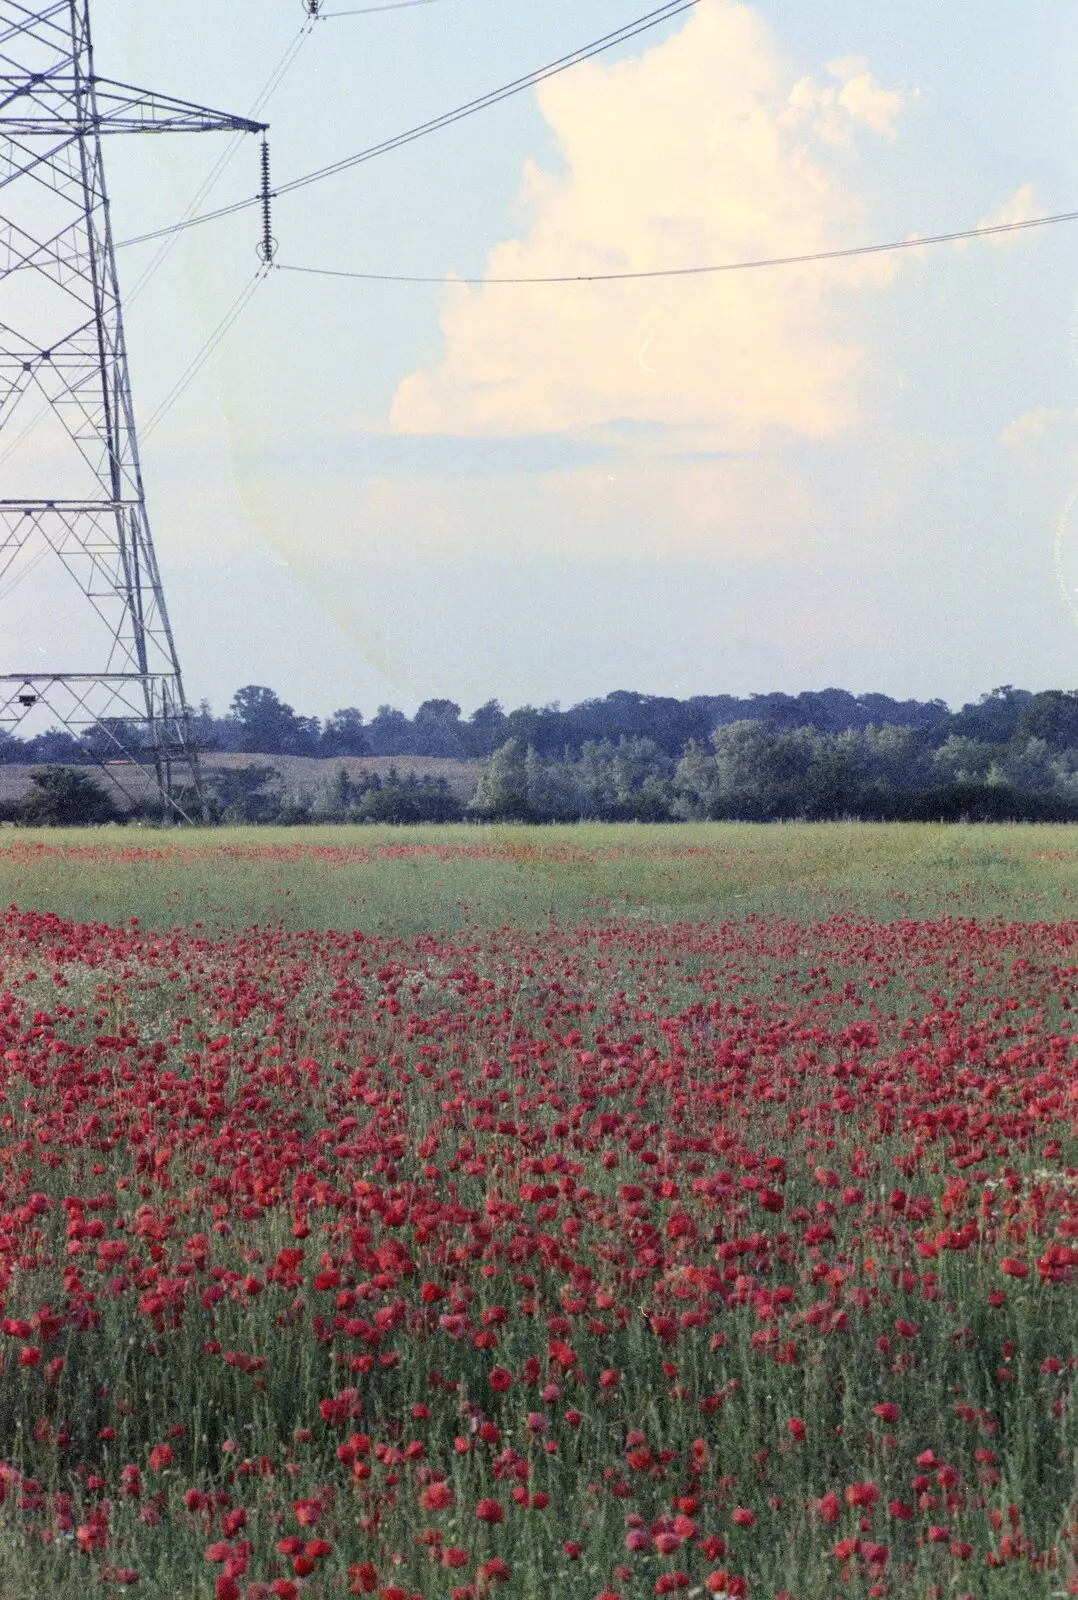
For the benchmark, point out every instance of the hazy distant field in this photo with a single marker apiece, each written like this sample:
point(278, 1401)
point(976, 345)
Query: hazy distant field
point(394, 880)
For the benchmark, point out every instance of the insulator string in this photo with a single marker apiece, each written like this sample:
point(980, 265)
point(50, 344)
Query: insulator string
point(267, 248)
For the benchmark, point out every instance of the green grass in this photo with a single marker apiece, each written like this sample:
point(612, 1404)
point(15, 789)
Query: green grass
point(405, 880)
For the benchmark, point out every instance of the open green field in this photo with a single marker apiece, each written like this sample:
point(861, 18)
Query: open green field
point(403, 881)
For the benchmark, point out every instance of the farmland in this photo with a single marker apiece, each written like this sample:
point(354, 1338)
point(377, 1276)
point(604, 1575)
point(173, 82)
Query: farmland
point(684, 1211)
point(401, 881)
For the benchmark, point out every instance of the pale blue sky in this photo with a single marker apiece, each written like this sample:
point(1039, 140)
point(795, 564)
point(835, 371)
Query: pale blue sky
point(854, 481)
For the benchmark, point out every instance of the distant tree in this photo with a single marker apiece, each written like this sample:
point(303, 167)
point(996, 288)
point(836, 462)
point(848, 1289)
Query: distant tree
point(552, 788)
point(763, 773)
point(437, 729)
point(390, 733)
point(484, 730)
point(963, 760)
point(777, 710)
point(838, 775)
point(627, 781)
point(716, 711)
point(539, 727)
point(269, 727)
point(53, 747)
point(994, 718)
point(409, 799)
point(244, 794)
point(344, 734)
point(63, 797)
point(1032, 766)
point(897, 759)
point(1051, 716)
point(205, 729)
point(111, 738)
point(696, 784)
point(502, 793)
point(924, 714)
point(336, 797)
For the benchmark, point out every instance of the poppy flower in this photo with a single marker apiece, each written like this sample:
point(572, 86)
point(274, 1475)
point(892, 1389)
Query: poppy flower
point(437, 1496)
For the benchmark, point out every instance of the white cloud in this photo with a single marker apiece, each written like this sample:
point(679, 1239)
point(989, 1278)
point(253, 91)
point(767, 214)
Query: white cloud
point(1020, 206)
point(836, 108)
point(697, 151)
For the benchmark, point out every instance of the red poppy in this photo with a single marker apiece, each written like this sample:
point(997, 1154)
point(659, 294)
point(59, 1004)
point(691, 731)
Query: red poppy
point(437, 1496)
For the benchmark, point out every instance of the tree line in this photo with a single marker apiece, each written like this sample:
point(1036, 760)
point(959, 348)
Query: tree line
point(1011, 754)
point(259, 722)
point(749, 771)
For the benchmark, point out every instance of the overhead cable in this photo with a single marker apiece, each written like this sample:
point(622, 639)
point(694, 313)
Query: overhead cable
point(195, 366)
point(913, 242)
point(367, 11)
point(266, 93)
point(268, 90)
point(627, 31)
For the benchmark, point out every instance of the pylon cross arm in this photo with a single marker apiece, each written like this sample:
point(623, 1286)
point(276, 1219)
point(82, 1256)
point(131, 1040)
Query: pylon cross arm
point(60, 102)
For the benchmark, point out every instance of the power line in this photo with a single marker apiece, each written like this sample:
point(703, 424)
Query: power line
point(269, 88)
point(629, 30)
point(197, 362)
point(913, 243)
point(367, 11)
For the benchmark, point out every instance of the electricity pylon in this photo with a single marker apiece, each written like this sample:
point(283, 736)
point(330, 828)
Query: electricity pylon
point(80, 504)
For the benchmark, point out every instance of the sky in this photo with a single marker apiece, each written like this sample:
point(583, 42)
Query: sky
point(855, 473)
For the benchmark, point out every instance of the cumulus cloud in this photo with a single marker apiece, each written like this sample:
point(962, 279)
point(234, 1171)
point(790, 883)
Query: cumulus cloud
point(1021, 205)
point(851, 96)
point(700, 150)
point(1019, 208)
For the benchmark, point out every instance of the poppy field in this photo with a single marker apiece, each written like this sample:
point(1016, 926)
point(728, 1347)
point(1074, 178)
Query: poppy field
point(623, 1255)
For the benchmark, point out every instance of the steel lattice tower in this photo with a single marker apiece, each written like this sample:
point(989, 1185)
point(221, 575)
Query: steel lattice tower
point(79, 504)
